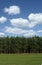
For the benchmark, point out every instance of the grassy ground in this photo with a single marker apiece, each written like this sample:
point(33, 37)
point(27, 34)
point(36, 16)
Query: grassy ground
point(20, 59)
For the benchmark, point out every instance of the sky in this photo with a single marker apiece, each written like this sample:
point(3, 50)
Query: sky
point(21, 18)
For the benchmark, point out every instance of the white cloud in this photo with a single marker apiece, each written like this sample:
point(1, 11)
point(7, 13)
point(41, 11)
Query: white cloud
point(32, 24)
point(19, 22)
point(14, 30)
point(26, 33)
point(2, 34)
point(12, 10)
point(35, 19)
point(3, 19)
point(30, 33)
point(40, 31)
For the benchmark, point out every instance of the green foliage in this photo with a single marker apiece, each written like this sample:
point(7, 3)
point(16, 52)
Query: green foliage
point(20, 45)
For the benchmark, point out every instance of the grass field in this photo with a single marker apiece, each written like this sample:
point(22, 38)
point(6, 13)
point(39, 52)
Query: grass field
point(20, 59)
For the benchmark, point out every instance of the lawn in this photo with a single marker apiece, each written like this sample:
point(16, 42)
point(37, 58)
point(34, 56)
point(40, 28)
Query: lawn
point(20, 59)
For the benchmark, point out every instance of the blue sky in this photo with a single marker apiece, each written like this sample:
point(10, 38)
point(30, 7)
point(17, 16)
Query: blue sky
point(21, 18)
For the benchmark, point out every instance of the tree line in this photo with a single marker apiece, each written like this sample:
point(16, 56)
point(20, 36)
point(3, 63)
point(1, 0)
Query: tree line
point(20, 45)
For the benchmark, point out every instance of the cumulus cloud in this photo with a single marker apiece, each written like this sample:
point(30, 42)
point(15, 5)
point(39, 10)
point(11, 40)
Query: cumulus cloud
point(2, 34)
point(12, 10)
point(40, 31)
point(30, 33)
point(32, 24)
point(14, 30)
point(19, 22)
point(26, 33)
point(3, 19)
point(35, 19)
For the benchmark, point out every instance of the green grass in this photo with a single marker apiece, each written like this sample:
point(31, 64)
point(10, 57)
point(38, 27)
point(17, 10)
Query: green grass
point(20, 59)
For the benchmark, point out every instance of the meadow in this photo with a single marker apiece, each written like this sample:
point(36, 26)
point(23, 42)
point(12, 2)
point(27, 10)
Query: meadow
point(21, 59)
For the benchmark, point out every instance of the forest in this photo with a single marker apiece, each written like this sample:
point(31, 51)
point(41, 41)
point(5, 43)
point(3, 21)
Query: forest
point(10, 45)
